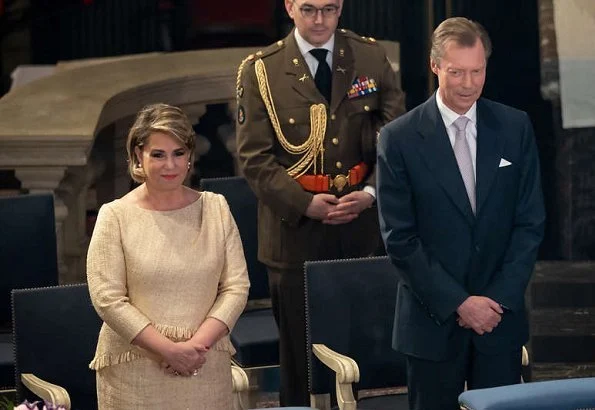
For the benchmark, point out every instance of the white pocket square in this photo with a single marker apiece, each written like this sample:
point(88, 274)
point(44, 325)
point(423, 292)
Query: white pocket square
point(504, 163)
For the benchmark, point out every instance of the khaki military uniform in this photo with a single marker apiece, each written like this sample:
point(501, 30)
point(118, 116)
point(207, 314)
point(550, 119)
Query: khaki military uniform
point(279, 109)
point(286, 236)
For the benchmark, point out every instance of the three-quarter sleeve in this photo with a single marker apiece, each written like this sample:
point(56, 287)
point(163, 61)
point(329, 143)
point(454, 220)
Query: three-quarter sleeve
point(107, 278)
point(233, 286)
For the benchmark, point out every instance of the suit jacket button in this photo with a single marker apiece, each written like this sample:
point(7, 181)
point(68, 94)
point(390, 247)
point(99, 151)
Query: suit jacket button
point(366, 108)
point(291, 121)
point(335, 141)
point(333, 117)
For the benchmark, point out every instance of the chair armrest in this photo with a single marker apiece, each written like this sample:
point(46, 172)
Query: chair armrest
point(346, 372)
point(524, 357)
point(239, 379)
point(526, 371)
point(568, 394)
point(49, 392)
point(240, 385)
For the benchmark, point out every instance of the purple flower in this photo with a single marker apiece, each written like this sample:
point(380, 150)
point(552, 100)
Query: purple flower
point(27, 406)
point(33, 406)
point(52, 406)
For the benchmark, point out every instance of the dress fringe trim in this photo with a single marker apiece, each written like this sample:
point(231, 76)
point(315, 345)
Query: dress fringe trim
point(109, 359)
point(174, 333)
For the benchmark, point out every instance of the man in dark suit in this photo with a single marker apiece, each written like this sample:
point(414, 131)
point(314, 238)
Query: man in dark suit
point(462, 216)
point(309, 110)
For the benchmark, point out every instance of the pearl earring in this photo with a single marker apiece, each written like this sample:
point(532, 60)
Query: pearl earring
point(189, 164)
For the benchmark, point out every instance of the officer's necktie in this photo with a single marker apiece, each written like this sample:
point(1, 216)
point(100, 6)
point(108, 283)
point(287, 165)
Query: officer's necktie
point(463, 155)
point(323, 77)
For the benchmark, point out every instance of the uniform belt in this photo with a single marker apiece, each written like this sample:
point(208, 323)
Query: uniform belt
point(324, 183)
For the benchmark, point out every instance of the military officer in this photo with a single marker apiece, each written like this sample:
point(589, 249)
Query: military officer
point(309, 110)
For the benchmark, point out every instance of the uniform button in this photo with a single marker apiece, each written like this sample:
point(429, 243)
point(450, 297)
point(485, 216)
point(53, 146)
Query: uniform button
point(366, 108)
point(291, 121)
point(339, 164)
point(335, 141)
point(333, 117)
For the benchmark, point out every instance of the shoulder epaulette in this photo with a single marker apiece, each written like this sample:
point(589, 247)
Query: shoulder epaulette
point(267, 51)
point(252, 58)
point(362, 39)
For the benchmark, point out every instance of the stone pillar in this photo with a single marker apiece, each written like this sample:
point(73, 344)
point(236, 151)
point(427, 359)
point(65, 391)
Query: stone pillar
point(121, 176)
point(74, 190)
point(109, 150)
point(195, 113)
point(69, 186)
point(46, 180)
point(227, 134)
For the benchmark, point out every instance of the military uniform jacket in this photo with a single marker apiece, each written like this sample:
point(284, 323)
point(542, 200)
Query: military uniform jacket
point(286, 236)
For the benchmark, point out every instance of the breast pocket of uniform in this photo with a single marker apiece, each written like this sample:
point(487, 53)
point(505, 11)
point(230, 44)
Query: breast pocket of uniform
point(363, 120)
point(363, 105)
point(295, 124)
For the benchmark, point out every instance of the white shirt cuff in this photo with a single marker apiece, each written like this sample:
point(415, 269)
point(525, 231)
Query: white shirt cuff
point(370, 190)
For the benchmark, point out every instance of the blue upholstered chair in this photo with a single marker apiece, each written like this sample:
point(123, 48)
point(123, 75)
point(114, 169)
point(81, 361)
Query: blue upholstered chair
point(55, 331)
point(28, 258)
point(350, 308)
point(255, 335)
point(568, 394)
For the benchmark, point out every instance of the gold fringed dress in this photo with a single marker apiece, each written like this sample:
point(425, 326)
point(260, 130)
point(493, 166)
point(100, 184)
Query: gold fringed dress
point(171, 269)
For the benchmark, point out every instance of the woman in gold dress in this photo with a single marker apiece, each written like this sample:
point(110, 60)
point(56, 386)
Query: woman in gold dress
point(167, 275)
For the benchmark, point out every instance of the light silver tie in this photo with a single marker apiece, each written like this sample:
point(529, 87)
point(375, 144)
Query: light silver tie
point(463, 156)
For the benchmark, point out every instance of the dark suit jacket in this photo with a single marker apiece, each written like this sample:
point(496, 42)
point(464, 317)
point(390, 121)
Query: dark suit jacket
point(443, 251)
point(286, 237)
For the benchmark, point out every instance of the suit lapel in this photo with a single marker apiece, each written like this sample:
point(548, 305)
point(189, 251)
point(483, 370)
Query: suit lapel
point(299, 76)
point(439, 156)
point(489, 151)
point(343, 71)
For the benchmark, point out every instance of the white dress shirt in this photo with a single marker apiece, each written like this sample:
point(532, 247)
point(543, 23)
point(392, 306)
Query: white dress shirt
point(305, 48)
point(449, 117)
